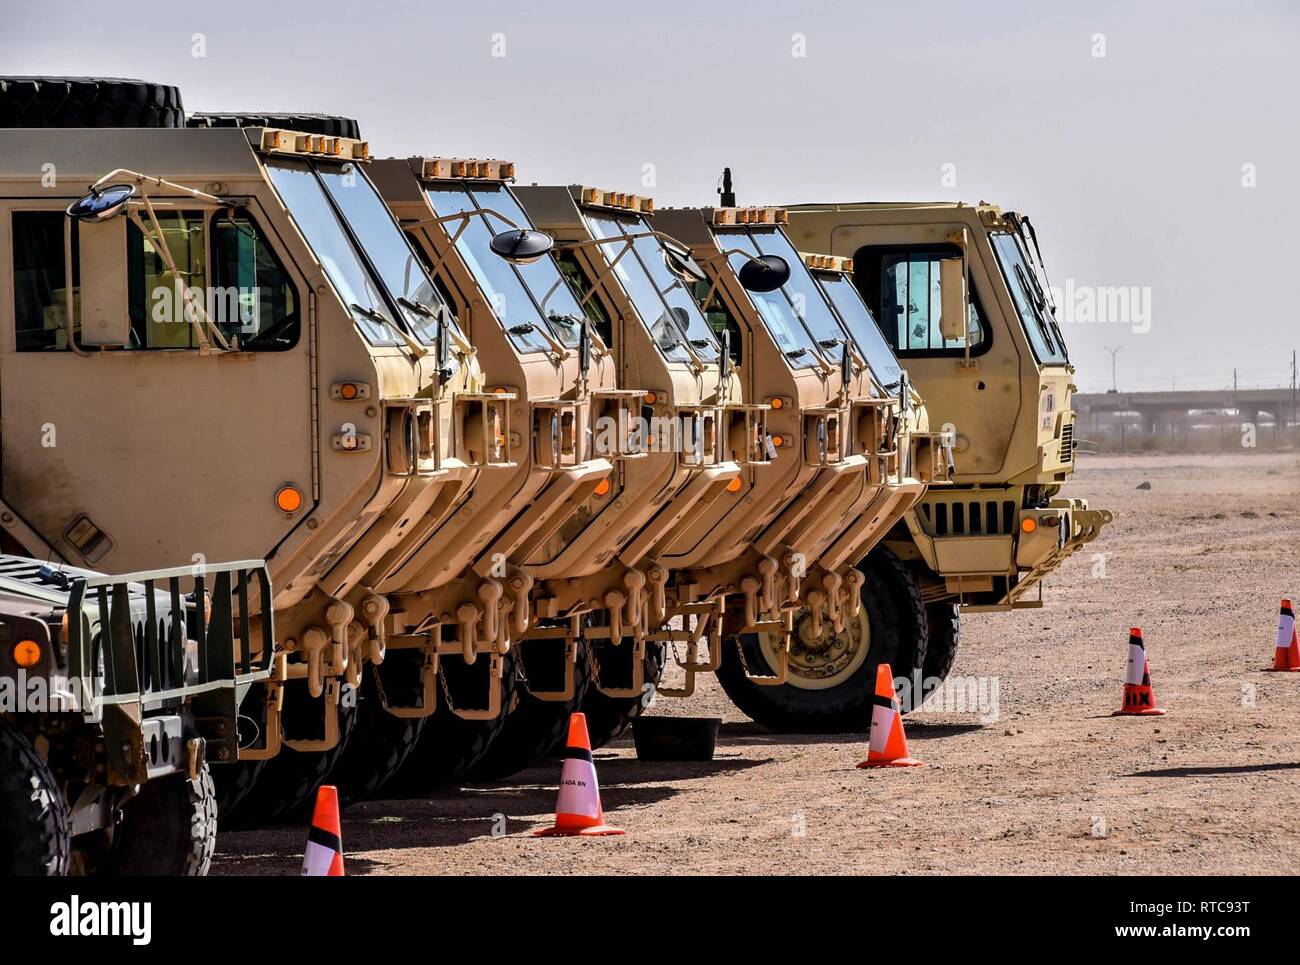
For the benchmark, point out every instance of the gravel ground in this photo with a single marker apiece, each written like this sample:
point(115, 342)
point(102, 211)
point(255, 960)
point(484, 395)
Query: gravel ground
point(1052, 784)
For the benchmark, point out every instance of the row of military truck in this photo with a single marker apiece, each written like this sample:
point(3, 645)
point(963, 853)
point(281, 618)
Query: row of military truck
point(487, 453)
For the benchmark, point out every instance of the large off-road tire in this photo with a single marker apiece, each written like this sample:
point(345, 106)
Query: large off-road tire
point(535, 728)
point(286, 786)
point(169, 828)
point(326, 124)
point(832, 677)
point(233, 783)
point(944, 639)
point(448, 745)
point(33, 817)
point(88, 102)
point(610, 717)
point(380, 742)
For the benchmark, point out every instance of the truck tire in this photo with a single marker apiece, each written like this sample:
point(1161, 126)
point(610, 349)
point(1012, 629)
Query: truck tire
point(169, 828)
point(609, 717)
point(326, 124)
point(534, 728)
point(33, 818)
point(944, 639)
point(285, 787)
point(88, 102)
point(233, 782)
point(380, 742)
point(449, 746)
point(832, 678)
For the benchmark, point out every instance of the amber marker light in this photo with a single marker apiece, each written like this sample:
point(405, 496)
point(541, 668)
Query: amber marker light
point(27, 653)
point(1028, 524)
point(288, 499)
point(734, 485)
point(602, 487)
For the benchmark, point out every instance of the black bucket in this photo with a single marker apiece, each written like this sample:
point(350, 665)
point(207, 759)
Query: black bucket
point(675, 738)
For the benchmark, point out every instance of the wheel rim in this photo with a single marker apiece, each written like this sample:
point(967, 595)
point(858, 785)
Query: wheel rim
point(820, 663)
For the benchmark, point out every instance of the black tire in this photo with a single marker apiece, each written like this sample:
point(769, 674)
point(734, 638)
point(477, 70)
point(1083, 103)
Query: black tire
point(285, 787)
point(944, 639)
point(897, 621)
point(325, 124)
point(535, 728)
point(449, 746)
point(33, 817)
point(609, 717)
point(88, 102)
point(233, 783)
point(169, 828)
point(380, 742)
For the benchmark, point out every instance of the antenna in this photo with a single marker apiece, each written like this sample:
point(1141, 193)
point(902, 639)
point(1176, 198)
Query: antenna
point(727, 196)
point(1114, 387)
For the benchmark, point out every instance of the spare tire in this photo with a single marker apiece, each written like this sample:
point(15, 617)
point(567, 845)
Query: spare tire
point(326, 124)
point(88, 102)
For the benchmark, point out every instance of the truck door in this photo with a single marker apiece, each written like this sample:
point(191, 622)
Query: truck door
point(124, 445)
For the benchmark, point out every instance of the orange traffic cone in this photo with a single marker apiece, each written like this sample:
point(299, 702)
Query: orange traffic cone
point(1139, 698)
point(324, 856)
point(888, 742)
point(1286, 655)
point(578, 810)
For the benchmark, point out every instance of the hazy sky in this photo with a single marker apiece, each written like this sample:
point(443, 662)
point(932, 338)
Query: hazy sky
point(1130, 164)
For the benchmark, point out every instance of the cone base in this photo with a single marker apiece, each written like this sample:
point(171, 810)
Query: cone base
point(1282, 670)
point(599, 831)
point(1148, 712)
point(897, 762)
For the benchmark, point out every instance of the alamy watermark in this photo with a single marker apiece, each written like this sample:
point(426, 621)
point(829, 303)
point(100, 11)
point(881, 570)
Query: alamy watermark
point(953, 695)
point(1103, 305)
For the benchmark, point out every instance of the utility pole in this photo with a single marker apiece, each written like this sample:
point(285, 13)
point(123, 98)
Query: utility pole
point(1293, 388)
point(1114, 386)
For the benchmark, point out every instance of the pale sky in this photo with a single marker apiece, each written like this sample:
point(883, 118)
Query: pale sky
point(1131, 164)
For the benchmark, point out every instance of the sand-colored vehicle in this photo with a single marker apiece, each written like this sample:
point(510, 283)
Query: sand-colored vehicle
point(114, 692)
point(247, 326)
point(857, 452)
point(961, 294)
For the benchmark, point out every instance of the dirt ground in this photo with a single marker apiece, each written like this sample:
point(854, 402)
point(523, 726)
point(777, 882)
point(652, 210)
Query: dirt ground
point(1054, 784)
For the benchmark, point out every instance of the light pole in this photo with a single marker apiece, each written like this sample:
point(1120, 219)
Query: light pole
point(1114, 387)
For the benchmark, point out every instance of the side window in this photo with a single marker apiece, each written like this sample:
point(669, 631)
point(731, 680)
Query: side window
point(902, 289)
point(253, 301)
point(40, 283)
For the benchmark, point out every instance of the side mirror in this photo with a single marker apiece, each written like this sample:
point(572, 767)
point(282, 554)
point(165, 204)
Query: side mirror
point(955, 303)
point(681, 264)
point(521, 246)
point(766, 273)
point(102, 204)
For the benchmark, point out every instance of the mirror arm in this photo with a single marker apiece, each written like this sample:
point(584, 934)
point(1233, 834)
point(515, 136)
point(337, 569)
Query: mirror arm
point(202, 323)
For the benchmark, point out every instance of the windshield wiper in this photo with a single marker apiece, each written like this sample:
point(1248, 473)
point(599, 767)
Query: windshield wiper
point(1039, 315)
point(796, 353)
point(418, 351)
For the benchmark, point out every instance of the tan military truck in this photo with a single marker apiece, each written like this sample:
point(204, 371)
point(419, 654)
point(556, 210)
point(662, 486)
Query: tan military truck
point(866, 439)
point(243, 300)
point(961, 294)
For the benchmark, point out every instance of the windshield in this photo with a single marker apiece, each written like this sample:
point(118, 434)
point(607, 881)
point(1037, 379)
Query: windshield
point(515, 292)
point(1030, 300)
point(362, 249)
point(324, 232)
point(774, 307)
point(671, 318)
point(385, 243)
point(853, 310)
point(805, 297)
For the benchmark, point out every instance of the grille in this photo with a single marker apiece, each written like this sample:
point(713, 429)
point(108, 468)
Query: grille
point(972, 517)
point(1067, 442)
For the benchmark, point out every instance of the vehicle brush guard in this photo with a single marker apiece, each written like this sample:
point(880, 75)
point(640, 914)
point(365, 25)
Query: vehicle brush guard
point(198, 647)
